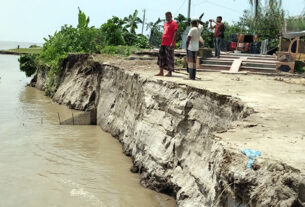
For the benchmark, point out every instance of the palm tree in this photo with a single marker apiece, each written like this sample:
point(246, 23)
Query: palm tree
point(154, 26)
point(155, 36)
point(180, 19)
point(132, 21)
point(255, 4)
point(183, 22)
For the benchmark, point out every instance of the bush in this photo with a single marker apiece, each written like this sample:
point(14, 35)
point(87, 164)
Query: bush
point(130, 38)
point(34, 46)
point(112, 32)
point(142, 42)
point(180, 62)
point(28, 64)
point(155, 38)
point(70, 40)
point(299, 67)
point(111, 50)
point(207, 35)
point(296, 23)
point(139, 40)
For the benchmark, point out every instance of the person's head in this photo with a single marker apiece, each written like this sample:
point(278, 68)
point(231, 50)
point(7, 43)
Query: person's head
point(168, 16)
point(219, 19)
point(194, 23)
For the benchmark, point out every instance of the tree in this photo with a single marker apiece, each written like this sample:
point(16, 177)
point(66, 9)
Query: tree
point(87, 37)
point(183, 22)
point(155, 36)
point(296, 23)
point(83, 21)
point(256, 5)
point(132, 21)
point(28, 64)
point(207, 35)
point(267, 23)
point(112, 31)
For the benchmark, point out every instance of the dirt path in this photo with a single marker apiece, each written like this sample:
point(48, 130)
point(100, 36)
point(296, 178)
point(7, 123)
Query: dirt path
point(278, 127)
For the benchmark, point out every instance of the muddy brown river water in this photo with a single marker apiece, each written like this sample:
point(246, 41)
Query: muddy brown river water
point(45, 164)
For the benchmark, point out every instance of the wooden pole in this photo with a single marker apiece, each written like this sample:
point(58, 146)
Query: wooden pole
point(72, 118)
point(59, 118)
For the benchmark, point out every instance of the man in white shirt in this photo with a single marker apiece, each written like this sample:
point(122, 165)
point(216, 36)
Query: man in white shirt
point(192, 45)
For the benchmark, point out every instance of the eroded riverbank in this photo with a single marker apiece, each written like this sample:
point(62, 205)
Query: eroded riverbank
point(45, 164)
point(169, 129)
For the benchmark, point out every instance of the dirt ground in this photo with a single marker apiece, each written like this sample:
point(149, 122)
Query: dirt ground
point(277, 128)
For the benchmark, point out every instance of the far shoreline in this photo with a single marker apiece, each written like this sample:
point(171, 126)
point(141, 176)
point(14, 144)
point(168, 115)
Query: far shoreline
point(11, 53)
point(21, 51)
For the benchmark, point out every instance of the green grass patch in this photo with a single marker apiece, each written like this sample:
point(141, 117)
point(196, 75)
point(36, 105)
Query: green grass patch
point(26, 50)
point(119, 50)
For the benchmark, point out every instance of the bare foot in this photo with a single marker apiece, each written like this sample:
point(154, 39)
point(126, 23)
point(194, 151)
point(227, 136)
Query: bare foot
point(160, 74)
point(168, 75)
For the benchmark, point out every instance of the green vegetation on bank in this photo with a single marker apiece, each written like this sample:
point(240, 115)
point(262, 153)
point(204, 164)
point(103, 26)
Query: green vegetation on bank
point(22, 51)
point(116, 37)
point(28, 64)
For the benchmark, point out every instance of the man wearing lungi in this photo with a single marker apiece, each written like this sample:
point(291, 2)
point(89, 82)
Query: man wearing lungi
point(166, 52)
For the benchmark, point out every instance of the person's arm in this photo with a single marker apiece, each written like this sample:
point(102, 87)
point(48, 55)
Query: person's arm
point(200, 22)
point(200, 28)
point(174, 39)
point(211, 26)
point(189, 37)
point(188, 42)
point(174, 36)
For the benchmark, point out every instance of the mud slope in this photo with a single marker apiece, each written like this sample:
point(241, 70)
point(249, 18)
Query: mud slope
point(168, 130)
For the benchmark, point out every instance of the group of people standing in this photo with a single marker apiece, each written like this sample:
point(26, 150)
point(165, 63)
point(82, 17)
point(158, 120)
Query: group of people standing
point(166, 52)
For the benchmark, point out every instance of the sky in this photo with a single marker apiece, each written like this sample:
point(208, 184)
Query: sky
point(32, 20)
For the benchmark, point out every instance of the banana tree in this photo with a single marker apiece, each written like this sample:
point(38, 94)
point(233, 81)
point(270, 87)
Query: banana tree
point(155, 36)
point(83, 20)
point(183, 22)
point(255, 4)
point(154, 26)
point(132, 21)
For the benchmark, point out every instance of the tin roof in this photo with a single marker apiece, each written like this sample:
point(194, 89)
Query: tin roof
point(292, 35)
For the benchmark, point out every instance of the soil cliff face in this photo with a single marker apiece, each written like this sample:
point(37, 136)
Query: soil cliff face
point(168, 130)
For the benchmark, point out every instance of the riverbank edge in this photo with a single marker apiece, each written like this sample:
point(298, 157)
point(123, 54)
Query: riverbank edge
point(3, 52)
point(168, 129)
point(21, 51)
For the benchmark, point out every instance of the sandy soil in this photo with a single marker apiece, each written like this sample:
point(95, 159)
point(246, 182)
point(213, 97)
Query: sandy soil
point(277, 128)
